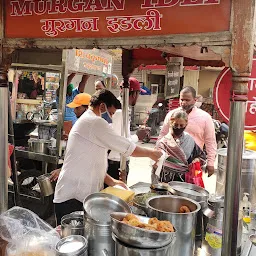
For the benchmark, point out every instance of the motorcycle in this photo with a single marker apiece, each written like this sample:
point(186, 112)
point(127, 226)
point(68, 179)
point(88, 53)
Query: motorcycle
point(221, 133)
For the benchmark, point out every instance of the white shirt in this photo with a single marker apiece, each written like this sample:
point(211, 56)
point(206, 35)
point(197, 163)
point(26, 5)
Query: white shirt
point(85, 162)
point(117, 125)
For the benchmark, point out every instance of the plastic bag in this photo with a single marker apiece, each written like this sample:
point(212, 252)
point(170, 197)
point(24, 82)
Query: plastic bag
point(195, 175)
point(27, 234)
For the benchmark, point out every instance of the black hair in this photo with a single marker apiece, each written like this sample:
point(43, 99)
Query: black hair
point(105, 96)
point(189, 89)
point(99, 80)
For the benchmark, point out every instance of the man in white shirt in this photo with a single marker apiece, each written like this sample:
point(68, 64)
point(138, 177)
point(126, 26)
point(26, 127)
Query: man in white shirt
point(85, 163)
point(114, 157)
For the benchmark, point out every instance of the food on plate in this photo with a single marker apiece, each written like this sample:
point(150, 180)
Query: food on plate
point(153, 224)
point(142, 198)
point(184, 209)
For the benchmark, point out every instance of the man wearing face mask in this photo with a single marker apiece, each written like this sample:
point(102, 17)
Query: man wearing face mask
point(85, 163)
point(200, 126)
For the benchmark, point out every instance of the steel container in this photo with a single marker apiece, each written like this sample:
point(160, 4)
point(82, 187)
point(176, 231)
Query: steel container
point(97, 210)
point(247, 178)
point(139, 237)
point(45, 184)
point(99, 238)
point(167, 208)
point(122, 249)
point(72, 246)
point(193, 192)
point(39, 145)
point(72, 224)
point(213, 215)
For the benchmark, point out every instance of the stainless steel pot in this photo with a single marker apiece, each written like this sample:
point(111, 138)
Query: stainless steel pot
point(39, 145)
point(72, 224)
point(167, 208)
point(122, 249)
point(99, 238)
point(45, 185)
point(193, 192)
point(213, 216)
point(72, 246)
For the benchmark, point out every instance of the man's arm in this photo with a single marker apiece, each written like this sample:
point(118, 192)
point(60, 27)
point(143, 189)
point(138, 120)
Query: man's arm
point(70, 78)
point(210, 144)
point(82, 83)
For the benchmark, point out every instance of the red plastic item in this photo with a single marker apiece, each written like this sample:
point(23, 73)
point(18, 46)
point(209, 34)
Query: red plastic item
point(195, 175)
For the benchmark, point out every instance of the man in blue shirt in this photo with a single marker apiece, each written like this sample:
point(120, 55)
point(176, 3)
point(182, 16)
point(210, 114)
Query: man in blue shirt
point(71, 94)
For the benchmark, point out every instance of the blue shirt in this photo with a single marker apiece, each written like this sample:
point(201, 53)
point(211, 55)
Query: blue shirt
point(69, 112)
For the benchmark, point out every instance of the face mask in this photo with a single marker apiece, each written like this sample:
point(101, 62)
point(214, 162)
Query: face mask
point(178, 131)
point(105, 115)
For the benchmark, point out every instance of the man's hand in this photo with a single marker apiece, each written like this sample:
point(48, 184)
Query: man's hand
point(55, 174)
point(210, 170)
point(156, 154)
point(120, 183)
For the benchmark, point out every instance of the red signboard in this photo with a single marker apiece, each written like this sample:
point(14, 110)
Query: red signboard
point(221, 95)
point(113, 18)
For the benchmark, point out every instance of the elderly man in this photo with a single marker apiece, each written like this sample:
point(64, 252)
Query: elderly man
point(85, 163)
point(99, 85)
point(200, 126)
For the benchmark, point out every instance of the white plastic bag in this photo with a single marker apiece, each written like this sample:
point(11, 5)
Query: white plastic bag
point(27, 234)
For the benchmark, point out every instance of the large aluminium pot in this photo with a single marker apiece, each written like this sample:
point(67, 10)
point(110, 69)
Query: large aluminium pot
point(212, 242)
point(167, 208)
point(122, 249)
point(39, 146)
point(193, 192)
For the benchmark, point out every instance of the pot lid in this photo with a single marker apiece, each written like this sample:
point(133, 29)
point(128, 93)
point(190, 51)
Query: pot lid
point(188, 190)
point(247, 154)
point(71, 244)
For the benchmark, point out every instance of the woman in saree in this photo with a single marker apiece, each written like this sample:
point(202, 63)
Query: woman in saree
point(180, 150)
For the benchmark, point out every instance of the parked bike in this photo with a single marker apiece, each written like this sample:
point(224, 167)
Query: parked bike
point(221, 133)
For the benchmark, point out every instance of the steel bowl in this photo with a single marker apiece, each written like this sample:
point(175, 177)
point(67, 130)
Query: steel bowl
point(160, 188)
point(72, 224)
point(99, 206)
point(138, 237)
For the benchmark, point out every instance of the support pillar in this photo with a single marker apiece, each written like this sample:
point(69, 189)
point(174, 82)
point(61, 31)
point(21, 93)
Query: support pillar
point(4, 97)
point(126, 71)
point(242, 29)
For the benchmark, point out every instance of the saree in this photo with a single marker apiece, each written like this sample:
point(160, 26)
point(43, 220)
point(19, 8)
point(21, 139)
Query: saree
point(179, 155)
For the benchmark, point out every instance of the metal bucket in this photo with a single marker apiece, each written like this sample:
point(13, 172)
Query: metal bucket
point(247, 178)
point(72, 246)
point(122, 249)
point(99, 239)
point(72, 224)
point(39, 145)
point(196, 193)
point(45, 185)
point(167, 208)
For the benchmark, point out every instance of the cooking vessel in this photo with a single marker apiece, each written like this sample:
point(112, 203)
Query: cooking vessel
point(39, 145)
point(72, 224)
point(139, 237)
point(160, 188)
point(97, 208)
point(45, 184)
point(167, 208)
point(72, 246)
point(122, 249)
point(193, 192)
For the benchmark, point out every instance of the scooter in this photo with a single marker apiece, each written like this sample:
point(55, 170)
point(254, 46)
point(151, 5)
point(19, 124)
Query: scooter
point(221, 133)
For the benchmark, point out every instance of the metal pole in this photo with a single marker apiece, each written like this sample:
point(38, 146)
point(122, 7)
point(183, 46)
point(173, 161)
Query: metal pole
point(4, 97)
point(125, 127)
point(233, 178)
